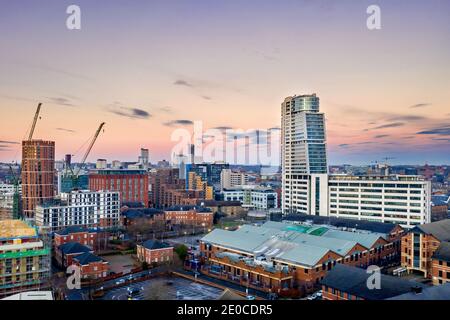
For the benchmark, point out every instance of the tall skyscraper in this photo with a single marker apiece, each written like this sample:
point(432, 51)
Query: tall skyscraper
point(304, 159)
point(38, 171)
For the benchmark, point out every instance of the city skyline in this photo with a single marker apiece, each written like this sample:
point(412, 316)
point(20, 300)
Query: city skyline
point(387, 98)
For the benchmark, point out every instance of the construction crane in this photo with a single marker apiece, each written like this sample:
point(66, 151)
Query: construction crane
point(36, 117)
point(77, 170)
point(16, 196)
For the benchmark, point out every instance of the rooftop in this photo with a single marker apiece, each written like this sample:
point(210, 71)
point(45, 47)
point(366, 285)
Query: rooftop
point(297, 244)
point(378, 227)
point(439, 229)
point(441, 292)
point(16, 229)
point(353, 280)
point(87, 258)
point(75, 229)
point(443, 252)
point(74, 247)
point(154, 245)
point(188, 208)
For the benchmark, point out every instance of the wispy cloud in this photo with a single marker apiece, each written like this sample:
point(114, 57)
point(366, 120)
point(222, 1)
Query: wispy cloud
point(9, 142)
point(61, 101)
point(66, 130)
point(180, 122)
point(420, 105)
point(380, 136)
point(132, 113)
point(181, 82)
point(390, 125)
point(443, 131)
point(407, 118)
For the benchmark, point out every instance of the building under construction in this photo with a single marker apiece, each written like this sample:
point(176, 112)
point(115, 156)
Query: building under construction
point(24, 258)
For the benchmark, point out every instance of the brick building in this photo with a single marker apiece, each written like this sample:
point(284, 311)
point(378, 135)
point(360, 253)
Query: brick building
point(350, 283)
point(228, 208)
point(132, 184)
point(91, 266)
point(92, 238)
point(425, 250)
point(283, 257)
point(161, 182)
point(38, 169)
point(66, 252)
point(154, 252)
point(189, 216)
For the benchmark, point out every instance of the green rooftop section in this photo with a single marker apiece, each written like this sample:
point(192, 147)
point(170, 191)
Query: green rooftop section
point(298, 228)
point(315, 231)
point(318, 231)
point(24, 254)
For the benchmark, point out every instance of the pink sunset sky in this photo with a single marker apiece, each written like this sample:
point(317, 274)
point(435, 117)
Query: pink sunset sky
point(149, 67)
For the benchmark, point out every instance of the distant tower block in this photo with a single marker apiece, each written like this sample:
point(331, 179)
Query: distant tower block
point(144, 158)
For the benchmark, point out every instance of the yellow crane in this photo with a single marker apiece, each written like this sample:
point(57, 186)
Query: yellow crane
point(36, 117)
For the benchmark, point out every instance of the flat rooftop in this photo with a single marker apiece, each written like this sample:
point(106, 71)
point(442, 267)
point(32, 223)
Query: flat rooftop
point(16, 229)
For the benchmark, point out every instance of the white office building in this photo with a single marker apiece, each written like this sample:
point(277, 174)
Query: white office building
point(252, 197)
point(81, 208)
point(230, 179)
point(405, 200)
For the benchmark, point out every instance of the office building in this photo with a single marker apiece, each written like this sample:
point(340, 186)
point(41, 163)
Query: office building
point(230, 179)
point(131, 184)
point(404, 200)
point(38, 162)
point(252, 197)
point(90, 209)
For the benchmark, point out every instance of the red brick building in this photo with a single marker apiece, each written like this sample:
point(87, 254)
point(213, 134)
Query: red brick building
point(290, 259)
point(155, 252)
point(132, 184)
point(38, 163)
point(65, 253)
point(190, 216)
point(91, 238)
point(426, 249)
point(91, 266)
point(350, 283)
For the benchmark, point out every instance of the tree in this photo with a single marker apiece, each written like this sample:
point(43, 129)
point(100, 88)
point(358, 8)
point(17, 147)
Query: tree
point(181, 251)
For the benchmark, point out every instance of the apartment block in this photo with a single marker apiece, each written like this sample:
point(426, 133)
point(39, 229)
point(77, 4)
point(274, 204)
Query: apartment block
point(132, 185)
point(90, 209)
point(24, 258)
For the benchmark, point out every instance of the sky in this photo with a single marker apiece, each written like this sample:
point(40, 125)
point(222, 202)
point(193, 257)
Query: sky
point(147, 68)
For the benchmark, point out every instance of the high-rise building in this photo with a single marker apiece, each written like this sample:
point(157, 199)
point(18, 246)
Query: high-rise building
point(144, 158)
point(304, 160)
point(38, 163)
